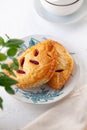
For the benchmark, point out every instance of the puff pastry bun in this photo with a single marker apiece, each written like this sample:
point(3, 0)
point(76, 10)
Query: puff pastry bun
point(64, 67)
point(36, 65)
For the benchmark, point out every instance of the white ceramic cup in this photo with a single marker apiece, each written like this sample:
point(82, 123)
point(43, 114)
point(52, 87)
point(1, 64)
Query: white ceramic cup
point(61, 10)
point(62, 2)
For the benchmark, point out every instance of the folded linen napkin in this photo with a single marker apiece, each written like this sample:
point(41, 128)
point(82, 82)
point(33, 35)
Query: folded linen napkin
point(69, 114)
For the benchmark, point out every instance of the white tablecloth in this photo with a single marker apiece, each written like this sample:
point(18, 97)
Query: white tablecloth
point(19, 19)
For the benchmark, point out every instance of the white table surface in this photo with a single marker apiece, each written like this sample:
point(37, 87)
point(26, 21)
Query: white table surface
point(19, 19)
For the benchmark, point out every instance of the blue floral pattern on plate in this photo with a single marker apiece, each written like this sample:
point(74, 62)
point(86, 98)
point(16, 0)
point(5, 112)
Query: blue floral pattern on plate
point(44, 94)
point(41, 95)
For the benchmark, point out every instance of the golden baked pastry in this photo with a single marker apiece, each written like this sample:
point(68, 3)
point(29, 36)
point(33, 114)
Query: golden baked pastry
point(36, 65)
point(64, 67)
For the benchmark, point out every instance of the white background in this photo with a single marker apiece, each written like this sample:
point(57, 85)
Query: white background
point(19, 19)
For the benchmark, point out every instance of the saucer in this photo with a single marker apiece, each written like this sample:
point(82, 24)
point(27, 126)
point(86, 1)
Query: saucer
point(78, 15)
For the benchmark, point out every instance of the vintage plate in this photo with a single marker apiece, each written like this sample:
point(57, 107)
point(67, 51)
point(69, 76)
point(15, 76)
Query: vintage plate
point(73, 18)
point(45, 94)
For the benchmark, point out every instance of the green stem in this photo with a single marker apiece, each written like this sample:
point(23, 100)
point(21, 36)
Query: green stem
point(7, 36)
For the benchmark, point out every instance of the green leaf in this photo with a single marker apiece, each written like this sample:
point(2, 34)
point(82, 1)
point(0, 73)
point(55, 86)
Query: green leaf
point(7, 82)
point(9, 90)
point(14, 43)
point(1, 101)
point(2, 57)
point(15, 64)
point(5, 66)
point(12, 52)
point(2, 43)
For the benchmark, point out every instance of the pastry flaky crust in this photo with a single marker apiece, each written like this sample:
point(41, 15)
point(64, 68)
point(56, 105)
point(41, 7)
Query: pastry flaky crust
point(39, 64)
point(64, 67)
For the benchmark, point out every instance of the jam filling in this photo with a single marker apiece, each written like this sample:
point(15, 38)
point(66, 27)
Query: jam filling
point(34, 62)
point(36, 52)
point(20, 71)
point(22, 61)
point(61, 70)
